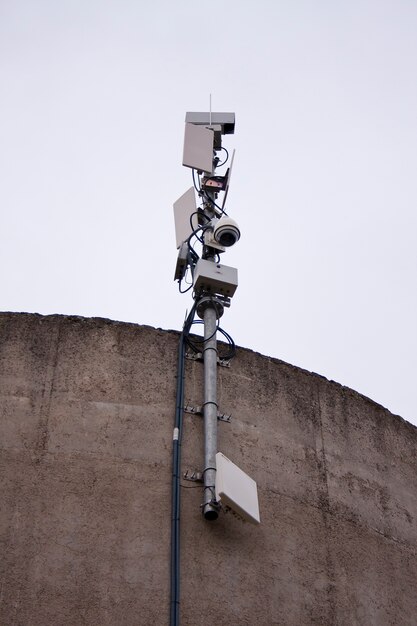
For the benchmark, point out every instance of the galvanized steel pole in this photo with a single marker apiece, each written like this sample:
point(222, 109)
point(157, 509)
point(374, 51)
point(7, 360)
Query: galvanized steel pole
point(210, 509)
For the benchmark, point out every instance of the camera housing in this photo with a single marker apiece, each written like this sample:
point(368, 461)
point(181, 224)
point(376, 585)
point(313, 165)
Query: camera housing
point(224, 121)
point(226, 232)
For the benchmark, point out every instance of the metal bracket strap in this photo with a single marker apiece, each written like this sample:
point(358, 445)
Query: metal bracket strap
point(198, 356)
point(198, 410)
point(194, 476)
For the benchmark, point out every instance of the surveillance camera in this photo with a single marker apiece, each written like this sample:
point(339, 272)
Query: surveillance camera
point(226, 232)
point(226, 121)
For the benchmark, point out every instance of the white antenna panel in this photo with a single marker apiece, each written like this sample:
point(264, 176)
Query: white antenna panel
point(198, 148)
point(236, 490)
point(184, 208)
point(228, 179)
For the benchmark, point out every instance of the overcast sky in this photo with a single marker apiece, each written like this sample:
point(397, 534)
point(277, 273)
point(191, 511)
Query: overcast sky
point(93, 96)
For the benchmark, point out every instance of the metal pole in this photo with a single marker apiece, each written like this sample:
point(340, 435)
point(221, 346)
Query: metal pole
point(210, 510)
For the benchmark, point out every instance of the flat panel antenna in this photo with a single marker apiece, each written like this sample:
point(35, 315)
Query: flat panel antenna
point(236, 490)
point(198, 148)
point(229, 174)
point(185, 221)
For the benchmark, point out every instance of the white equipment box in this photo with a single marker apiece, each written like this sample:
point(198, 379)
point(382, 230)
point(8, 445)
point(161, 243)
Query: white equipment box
point(215, 278)
point(236, 490)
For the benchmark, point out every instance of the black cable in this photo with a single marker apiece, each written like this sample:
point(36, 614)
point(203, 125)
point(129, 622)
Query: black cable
point(193, 344)
point(222, 211)
point(202, 227)
point(176, 470)
point(232, 351)
point(191, 486)
point(192, 259)
point(193, 256)
point(194, 229)
point(184, 290)
point(203, 340)
point(226, 159)
point(198, 189)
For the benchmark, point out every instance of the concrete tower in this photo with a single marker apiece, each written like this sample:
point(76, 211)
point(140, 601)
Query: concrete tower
point(87, 410)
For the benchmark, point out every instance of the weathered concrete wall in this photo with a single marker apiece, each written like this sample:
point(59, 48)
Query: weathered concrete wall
point(87, 409)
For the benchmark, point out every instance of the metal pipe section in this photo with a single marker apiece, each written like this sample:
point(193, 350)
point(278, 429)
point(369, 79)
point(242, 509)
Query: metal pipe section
point(210, 508)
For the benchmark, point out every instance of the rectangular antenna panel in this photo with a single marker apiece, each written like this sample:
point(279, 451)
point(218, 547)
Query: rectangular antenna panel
point(184, 207)
point(236, 490)
point(215, 278)
point(198, 148)
point(229, 176)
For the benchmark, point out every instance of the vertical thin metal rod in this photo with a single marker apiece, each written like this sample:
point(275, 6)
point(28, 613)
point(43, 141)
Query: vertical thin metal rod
point(210, 510)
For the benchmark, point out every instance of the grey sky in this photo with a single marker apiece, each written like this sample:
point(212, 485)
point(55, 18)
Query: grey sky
point(93, 99)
